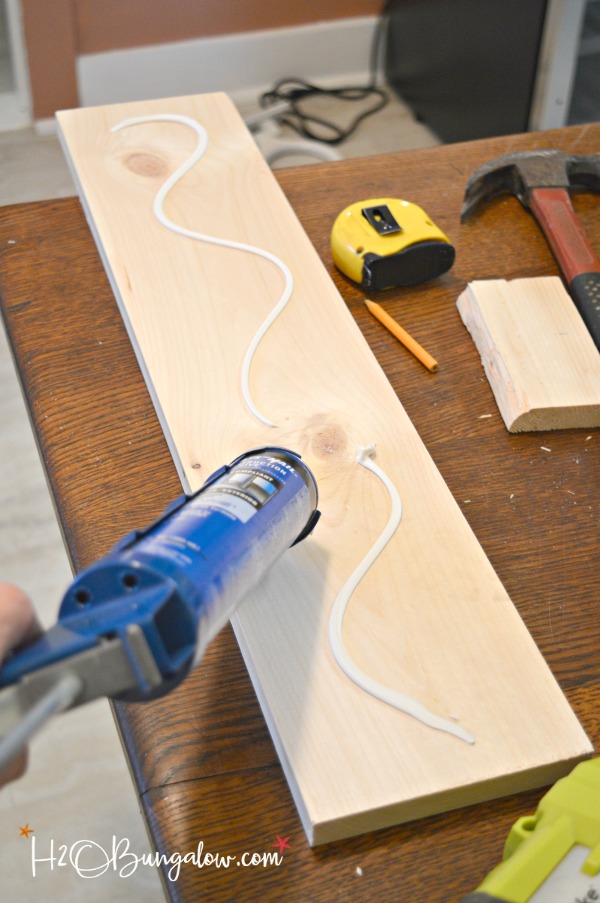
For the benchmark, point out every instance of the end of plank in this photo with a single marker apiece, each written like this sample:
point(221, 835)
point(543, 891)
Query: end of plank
point(539, 359)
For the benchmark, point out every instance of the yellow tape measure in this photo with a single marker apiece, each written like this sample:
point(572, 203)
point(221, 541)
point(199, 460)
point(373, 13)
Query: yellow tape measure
point(386, 242)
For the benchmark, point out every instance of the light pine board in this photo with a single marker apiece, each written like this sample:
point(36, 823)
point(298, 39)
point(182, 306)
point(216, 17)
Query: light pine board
point(431, 618)
point(540, 360)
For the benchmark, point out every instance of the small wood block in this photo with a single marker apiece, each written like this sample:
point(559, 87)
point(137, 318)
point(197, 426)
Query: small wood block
point(540, 360)
point(430, 619)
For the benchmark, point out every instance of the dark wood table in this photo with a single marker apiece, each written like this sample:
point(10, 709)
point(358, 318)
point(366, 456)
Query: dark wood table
point(202, 759)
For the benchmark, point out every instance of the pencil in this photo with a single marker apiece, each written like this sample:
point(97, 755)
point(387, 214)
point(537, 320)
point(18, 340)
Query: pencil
point(401, 334)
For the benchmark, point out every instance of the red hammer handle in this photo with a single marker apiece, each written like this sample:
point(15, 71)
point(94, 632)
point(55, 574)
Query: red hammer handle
point(577, 260)
point(553, 210)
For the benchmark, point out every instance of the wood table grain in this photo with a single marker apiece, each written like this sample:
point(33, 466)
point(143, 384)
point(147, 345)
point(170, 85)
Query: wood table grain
point(202, 759)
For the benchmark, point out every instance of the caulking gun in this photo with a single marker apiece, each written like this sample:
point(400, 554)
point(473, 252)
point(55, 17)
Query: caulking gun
point(135, 623)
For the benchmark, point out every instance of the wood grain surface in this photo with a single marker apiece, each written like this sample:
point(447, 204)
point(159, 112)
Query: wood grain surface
point(541, 362)
point(202, 759)
point(192, 310)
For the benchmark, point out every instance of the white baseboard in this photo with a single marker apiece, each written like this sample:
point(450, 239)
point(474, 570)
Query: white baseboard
point(45, 127)
point(14, 112)
point(243, 65)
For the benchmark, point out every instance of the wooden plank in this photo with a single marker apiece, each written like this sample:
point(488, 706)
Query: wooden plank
point(538, 356)
point(431, 618)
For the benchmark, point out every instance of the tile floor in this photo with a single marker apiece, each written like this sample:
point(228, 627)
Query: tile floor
point(77, 785)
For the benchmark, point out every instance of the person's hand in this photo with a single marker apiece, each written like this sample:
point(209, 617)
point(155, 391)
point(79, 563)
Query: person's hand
point(18, 626)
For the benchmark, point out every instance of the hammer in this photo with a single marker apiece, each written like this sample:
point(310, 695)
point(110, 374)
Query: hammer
point(541, 180)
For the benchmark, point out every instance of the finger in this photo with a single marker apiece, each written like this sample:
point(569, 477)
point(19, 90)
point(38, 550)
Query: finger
point(18, 620)
point(15, 768)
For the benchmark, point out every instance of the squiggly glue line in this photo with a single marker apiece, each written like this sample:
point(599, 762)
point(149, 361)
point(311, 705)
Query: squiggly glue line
point(158, 207)
point(401, 701)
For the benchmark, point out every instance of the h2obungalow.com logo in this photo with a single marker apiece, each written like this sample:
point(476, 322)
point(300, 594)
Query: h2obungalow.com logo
point(90, 859)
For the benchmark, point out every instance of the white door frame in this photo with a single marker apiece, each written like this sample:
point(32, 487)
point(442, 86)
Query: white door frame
point(15, 106)
point(557, 64)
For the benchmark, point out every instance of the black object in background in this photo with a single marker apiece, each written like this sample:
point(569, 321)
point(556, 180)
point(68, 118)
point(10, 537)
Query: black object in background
point(585, 98)
point(465, 67)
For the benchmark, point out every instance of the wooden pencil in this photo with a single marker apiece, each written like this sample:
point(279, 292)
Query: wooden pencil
point(402, 335)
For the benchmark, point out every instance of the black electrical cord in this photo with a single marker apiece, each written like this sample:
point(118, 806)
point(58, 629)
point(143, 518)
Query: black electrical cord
point(296, 90)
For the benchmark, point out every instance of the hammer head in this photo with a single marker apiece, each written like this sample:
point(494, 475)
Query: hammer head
point(525, 171)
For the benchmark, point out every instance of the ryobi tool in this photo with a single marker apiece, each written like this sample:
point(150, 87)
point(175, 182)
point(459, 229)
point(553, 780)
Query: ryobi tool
point(133, 625)
point(554, 855)
point(385, 242)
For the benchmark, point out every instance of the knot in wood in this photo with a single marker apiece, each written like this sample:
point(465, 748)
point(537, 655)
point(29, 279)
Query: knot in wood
point(329, 441)
point(146, 164)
